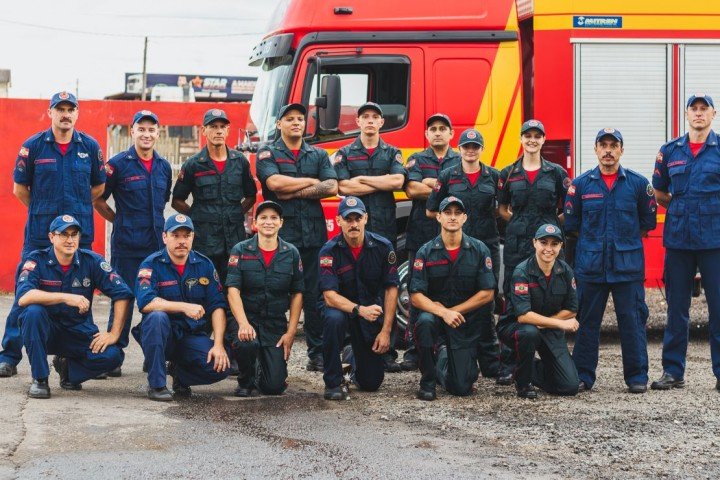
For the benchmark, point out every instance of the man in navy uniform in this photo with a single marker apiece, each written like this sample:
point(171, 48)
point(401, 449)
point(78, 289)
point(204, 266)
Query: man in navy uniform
point(55, 295)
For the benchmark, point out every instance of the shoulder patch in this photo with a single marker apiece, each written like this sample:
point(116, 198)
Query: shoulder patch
point(520, 289)
point(501, 183)
point(216, 277)
point(326, 262)
point(300, 265)
point(181, 175)
point(438, 186)
point(488, 263)
point(24, 152)
point(145, 273)
point(659, 157)
point(109, 170)
point(410, 163)
point(105, 266)
point(573, 284)
point(571, 190)
point(392, 258)
point(264, 154)
point(649, 190)
point(233, 260)
point(418, 264)
point(567, 182)
point(398, 157)
point(29, 265)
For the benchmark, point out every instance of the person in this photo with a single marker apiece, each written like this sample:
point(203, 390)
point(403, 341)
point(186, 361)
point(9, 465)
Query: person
point(265, 279)
point(475, 184)
point(372, 170)
point(139, 180)
point(453, 288)
point(610, 208)
point(297, 176)
point(542, 306)
point(687, 182)
point(359, 286)
point(223, 190)
point(59, 170)
point(530, 193)
point(422, 170)
point(55, 295)
point(178, 291)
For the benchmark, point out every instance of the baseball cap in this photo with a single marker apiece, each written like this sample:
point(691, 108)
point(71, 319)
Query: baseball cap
point(700, 96)
point(178, 221)
point(350, 205)
point(370, 106)
point(63, 97)
point(63, 222)
point(268, 204)
point(471, 136)
point(609, 131)
point(214, 114)
point(549, 230)
point(142, 114)
point(532, 124)
point(438, 117)
point(451, 200)
point(293, 106)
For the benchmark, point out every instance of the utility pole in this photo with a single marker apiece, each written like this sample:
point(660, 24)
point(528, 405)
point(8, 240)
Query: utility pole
point(144, 72)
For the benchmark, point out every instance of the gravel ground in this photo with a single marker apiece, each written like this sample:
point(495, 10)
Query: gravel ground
point(110, 429)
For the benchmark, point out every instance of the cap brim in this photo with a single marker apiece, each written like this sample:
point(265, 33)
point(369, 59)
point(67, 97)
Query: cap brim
point(550, 235)
point(600, 137)
point(462, 207)
point(468, 142)
point(53, 105)
point(438, 118)
point(65, 226)
point(359, 211)
point(176, 227)
point(149, 117)
point(532, 128)
point(214, 119)
point(293, 106)
point(370, 107)
point(262, 207)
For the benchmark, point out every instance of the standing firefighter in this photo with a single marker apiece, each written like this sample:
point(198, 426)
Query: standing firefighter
point(139, 180)
point(57, 171)
point(297, 176)
point(359, 284)
point(453, 289)
point(265, 279)
point(541, 308)
point(687, 183)
point(610, 209)
point(222, 188)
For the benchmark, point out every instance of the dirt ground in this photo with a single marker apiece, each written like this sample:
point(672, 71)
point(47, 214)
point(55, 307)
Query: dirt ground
point(111, 427)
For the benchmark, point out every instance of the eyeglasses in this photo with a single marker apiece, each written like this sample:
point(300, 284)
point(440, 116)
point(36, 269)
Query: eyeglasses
point(68, 236)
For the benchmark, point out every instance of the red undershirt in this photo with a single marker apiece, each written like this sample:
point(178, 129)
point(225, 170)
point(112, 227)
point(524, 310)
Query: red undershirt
point(547, 279)
point(356, 251)
point(65, 146)
point(453, 254)
point(147, 163)
point(180, 268)
point(370, 151)
point(295, 152)
point(65, 268)
point(440, 159)
point(532, 174)
point(219, 164)
point(609, 179)
point(473, 177)
point(267, 255)
point(695, 148)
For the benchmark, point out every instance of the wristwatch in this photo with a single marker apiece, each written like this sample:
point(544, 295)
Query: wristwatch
point(356, 311)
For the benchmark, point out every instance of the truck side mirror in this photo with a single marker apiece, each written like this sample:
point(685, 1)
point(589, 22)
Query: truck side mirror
point(329, 103)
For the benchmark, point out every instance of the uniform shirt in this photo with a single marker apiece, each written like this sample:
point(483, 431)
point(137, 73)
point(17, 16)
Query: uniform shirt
point(480, 200)
point(304, 221)
point(59, 184)
point(199, 284)
point(451, 283)
point(422, 165)
point(140, 197)
point(692, 221)
point(354, 160)
point(362, 281)
point(88, 271)
point(530, 292)
point(608, 223)
point(533, 204)
point(265, 289)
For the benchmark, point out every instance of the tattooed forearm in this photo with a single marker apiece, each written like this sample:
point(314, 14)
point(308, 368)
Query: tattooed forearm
point(324, 189)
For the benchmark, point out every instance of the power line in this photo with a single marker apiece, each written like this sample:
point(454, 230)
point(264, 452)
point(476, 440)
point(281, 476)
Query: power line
point(128, 35)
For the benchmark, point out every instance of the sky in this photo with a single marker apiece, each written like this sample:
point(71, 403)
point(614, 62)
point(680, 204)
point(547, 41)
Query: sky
point(88, 46)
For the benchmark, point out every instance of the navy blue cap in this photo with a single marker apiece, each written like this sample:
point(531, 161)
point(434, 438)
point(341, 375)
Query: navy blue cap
point(350, 205)
point(178, 221)
point(268, 204)
point(370, 106)
point(451, 200)
point(549, 230)
point(700, 96)
point(438, 117)
point(214, 114)
point(63, 222)
point(143, 114)
point(613, 132)
point(292, 106)
point(532, 124)
point(471, 136)
point(63, 97)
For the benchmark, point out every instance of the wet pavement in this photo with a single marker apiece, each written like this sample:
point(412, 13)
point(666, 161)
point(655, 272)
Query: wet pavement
point(110, 429)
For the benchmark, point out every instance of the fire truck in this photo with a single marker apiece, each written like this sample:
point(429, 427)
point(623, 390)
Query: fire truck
point(578, 66)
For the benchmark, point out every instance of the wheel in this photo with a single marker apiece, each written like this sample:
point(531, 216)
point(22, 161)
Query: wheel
point(403, 302)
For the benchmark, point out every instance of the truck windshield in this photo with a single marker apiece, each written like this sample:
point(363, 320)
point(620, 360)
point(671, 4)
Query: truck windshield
point(270, 92)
